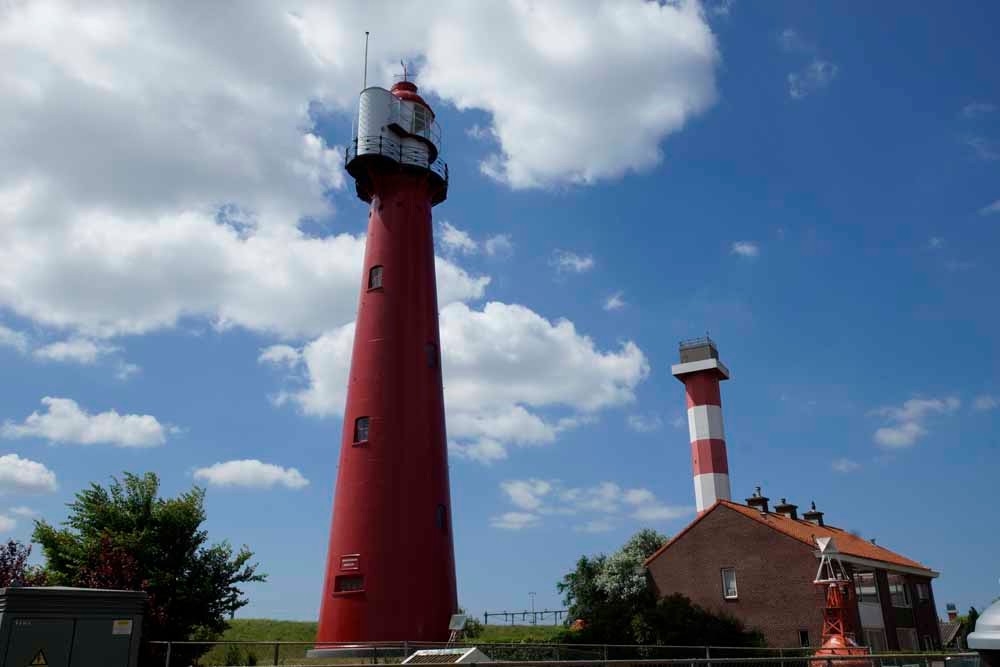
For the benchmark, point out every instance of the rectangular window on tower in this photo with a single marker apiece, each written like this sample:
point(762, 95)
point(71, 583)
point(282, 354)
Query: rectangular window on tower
point(729, 591)
point(361, 429)
point(348, 584)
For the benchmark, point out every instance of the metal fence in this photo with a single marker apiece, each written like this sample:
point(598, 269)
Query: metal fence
point(289, 654)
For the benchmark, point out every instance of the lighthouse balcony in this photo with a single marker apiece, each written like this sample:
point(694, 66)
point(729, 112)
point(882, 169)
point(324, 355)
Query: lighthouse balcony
point(407, 153)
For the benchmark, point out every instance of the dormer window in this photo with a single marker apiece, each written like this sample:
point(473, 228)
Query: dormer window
point(375, 277)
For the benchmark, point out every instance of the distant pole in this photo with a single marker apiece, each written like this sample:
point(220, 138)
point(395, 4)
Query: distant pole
point(531, 594)
point(365, 80)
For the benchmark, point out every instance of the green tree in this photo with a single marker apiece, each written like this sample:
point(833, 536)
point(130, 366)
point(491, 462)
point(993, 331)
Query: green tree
point(615, 601)
point(127, 537)
point(14, 568)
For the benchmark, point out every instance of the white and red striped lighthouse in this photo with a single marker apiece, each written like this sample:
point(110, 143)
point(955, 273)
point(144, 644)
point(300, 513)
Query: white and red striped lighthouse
point(700, 370)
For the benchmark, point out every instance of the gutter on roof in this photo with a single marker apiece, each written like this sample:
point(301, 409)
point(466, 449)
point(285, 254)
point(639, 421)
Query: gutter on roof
point(885, 565)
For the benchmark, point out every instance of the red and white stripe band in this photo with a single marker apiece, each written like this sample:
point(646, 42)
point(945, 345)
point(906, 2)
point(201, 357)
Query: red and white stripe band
point(708, 438)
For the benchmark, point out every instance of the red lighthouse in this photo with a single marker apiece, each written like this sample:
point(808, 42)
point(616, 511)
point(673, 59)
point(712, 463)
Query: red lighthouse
point(390, 570)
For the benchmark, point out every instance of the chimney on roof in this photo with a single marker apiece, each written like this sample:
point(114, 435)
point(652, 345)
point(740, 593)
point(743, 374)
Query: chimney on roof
point(952, 611)
point(757, 501)
point(813, 515)
point(786, 508)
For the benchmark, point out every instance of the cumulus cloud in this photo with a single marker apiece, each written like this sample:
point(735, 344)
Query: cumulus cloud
point(614, 302)
point(606, 503)
point(65, 422)
point(669, 47)
point(986, 402)
point(845, 465)
point(748, 249)
point(14, 339)
point(514, 520)
point(812, 78)
point(569, 262)
point(991, 209)
point(506, 369)
point(455, 239)
point(251, 474)
point(23, 476)
point(499, 245)
point(7, 524)
point(23, 512)
point(907, 421)
point(77, 350)
point(644, 423)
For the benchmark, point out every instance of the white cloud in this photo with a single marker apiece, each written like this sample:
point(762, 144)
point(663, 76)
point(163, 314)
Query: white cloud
point(480, 133)
point(499, 245)
point(983, 148)
point(907, 421)
point(23, 512)
point(614, 302)
point(19, 475)
point(125, 371)
point(505, 368)
point(7, 524)
point(935, 243)
point(668, 47)
point(845, 465)
point(976, 109)
point(748, 249)
point(679, 422)
point(64, 421)
point(76, 350)
point(605, 503)
point(283, 356)
point(814, 77)
point(986, 402)
point(514, 520)
point(527, 494)
point(569, 262)
point(252, 474)
point(644, 423)
point(456, 240)
point(990, 209)
point(14, 339)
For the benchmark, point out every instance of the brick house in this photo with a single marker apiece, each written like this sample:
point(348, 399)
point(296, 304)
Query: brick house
point(758, 565)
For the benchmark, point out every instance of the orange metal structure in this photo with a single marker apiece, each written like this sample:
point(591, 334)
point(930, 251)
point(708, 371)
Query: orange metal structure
point(832, 579)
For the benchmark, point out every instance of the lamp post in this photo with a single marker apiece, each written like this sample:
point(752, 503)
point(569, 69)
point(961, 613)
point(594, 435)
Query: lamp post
point(534, 620)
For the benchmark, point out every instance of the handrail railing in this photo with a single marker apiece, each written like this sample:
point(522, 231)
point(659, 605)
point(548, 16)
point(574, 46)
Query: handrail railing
point(381, 145)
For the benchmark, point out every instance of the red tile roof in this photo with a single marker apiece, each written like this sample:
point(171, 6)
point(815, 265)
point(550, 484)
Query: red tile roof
point(807, 532)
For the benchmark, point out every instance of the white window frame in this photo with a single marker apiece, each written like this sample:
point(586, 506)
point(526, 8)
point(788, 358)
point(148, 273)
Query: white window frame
point(725, 588)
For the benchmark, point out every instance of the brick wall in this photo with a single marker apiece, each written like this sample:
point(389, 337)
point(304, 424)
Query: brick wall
point(774, 575)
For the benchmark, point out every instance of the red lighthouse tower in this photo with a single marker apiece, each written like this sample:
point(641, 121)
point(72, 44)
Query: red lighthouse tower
point(390, 570)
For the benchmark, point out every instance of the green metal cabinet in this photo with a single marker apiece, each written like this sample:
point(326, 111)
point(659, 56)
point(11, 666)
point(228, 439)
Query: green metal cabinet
point(69, 627)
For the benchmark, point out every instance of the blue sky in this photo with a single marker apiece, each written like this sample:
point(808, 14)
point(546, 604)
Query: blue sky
point(815, 185)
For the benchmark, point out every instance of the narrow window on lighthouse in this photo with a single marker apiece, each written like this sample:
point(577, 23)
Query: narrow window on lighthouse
point(361, 429)
point(375, 277)
point(432, 355)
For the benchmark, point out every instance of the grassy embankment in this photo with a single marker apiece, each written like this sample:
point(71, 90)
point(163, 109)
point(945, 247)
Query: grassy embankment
point(263, 629)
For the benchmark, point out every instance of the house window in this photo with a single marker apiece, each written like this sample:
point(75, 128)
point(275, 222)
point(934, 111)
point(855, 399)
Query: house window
point(729, 583)
point(928, 643)
point(375, 277)
point(361, 429)
point(348, 584)
point(804, 638)
point(898, 592)
point(923, 591)
point(907, 639)
point(866, 587)
point(875, 639)
point(442, 518)
point(431, 350)
point(420, 118)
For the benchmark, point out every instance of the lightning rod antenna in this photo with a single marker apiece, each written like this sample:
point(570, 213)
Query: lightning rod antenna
point(365, 80)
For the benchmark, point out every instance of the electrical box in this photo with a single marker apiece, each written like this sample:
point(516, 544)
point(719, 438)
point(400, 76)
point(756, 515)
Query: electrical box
point(53, 626)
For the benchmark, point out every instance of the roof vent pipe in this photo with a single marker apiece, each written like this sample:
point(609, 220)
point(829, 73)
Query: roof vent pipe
point(786, 508)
